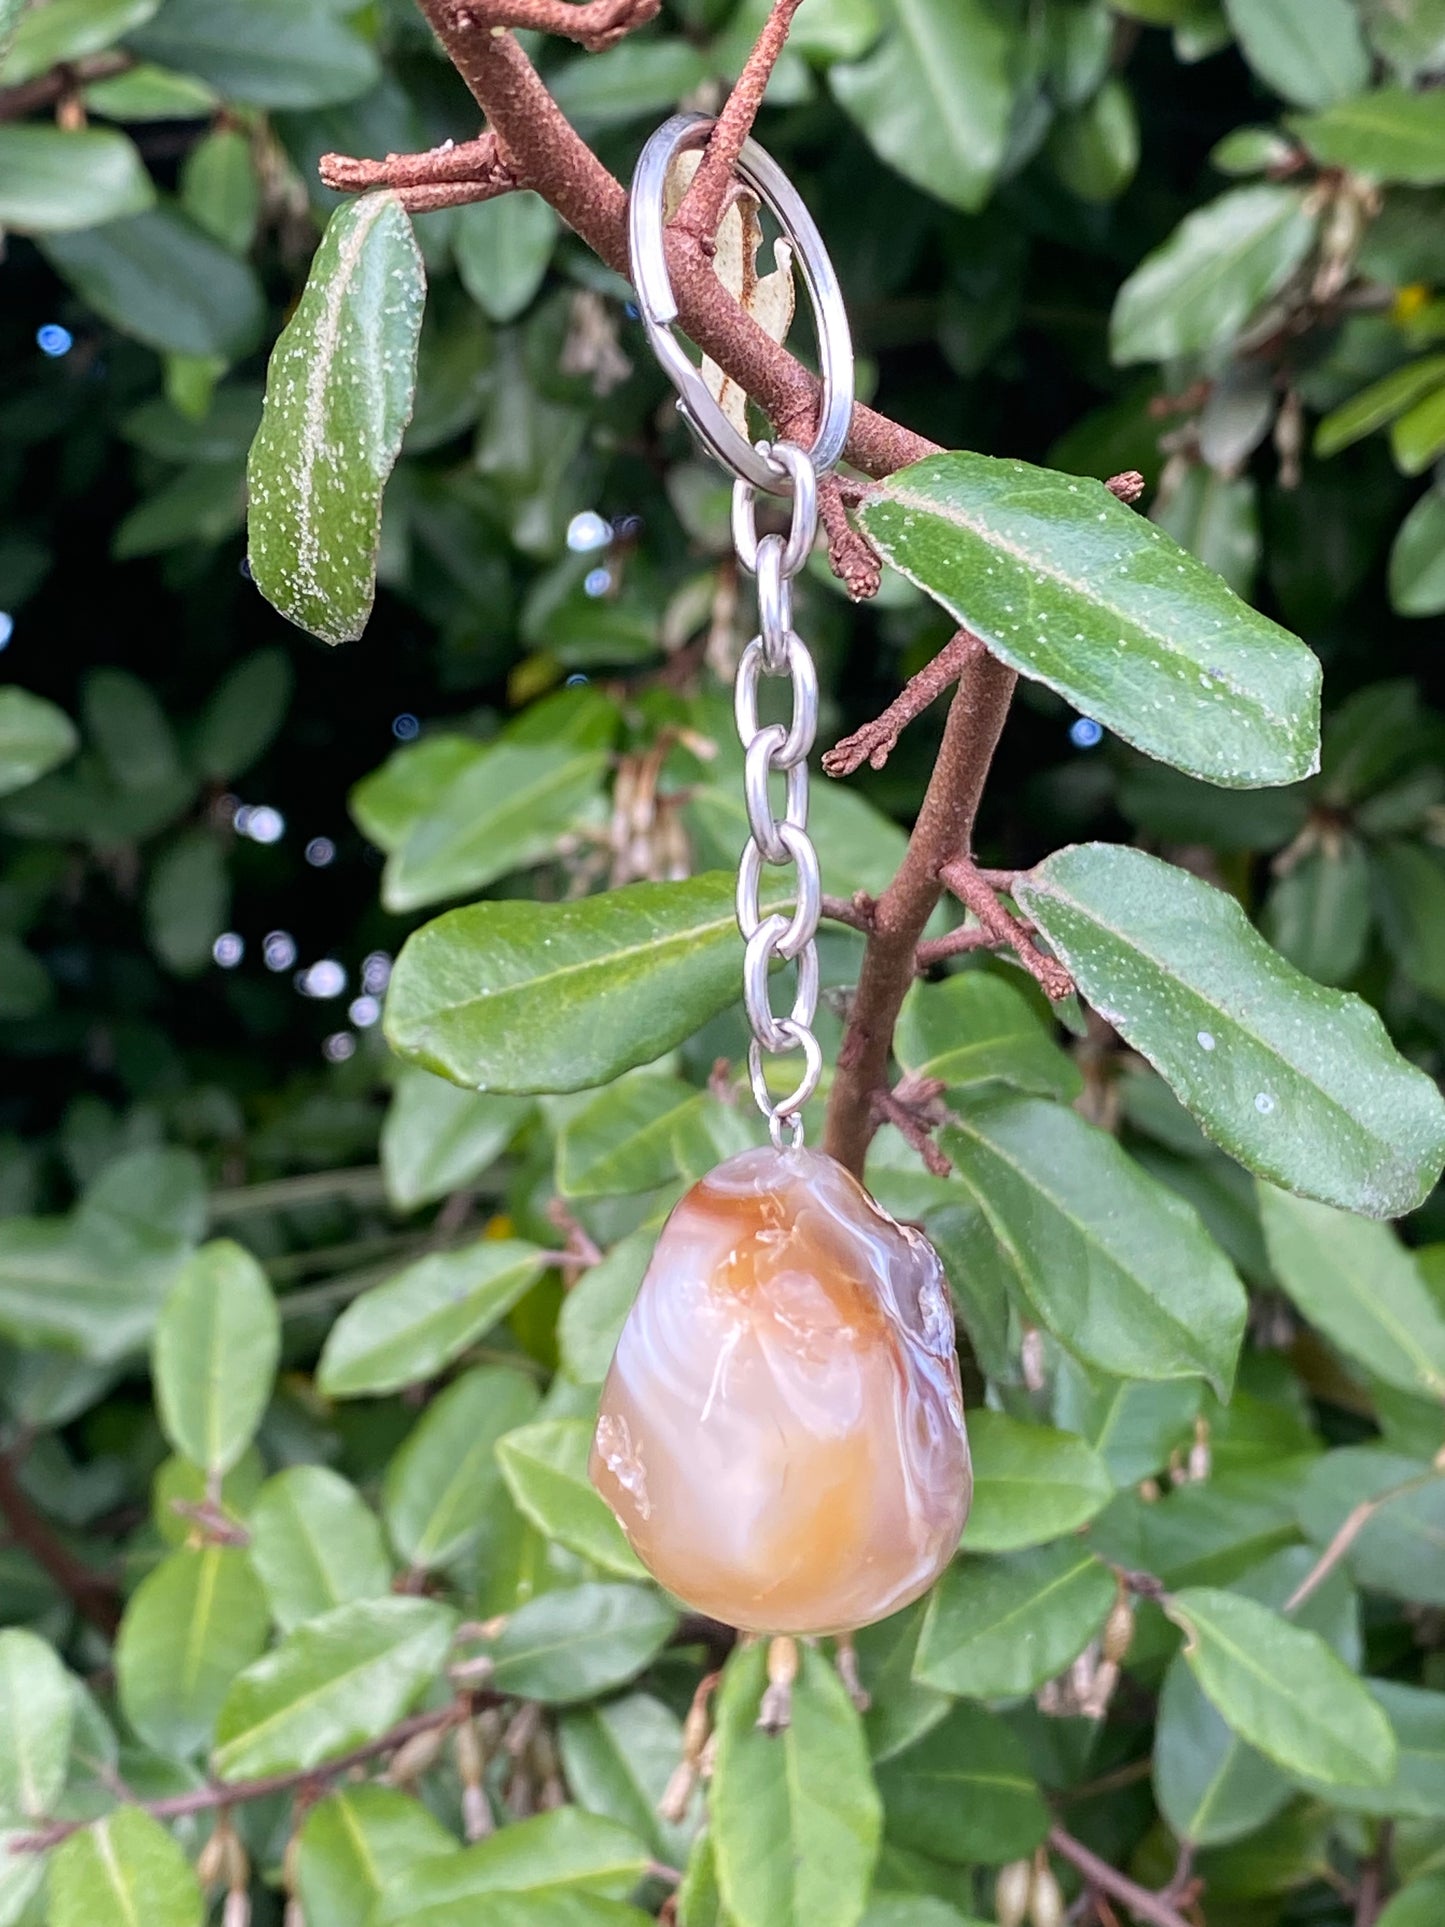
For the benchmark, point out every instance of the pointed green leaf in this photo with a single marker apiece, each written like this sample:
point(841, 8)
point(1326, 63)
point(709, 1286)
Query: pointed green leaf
point(563, 996)
point(356, 1842)
point(936, 96)
point(338, 397)
point(59, 31)
point(1119, 1269)
point(1282, 1689)
point(579, 1642)
point(315, 1544)
point(595, 1309)
point(1030, 1483)
point(34, 737)
point(1397, 1550)
point(1359, 1284)
point(37, 1712)
point(1392, 135)
point(964, 1792)
point(1311, 51)
point(1197, 291)
point(1417, 1791)
point(52, 179)
point(1299, 1082)
point(189, 1628)
point(545, 1466)
point(550, 1854)
point(973, 1028)
point(625, 1140)
point(410, 1327)
point(999, 1627)
point(441, 1481)
point(1377, 406)
point(332, 1683)
point(248, 706)
point(164, 281)
point(795, 1816)
point(216, 1346)
point(1417, 561)
point(1070, 587)
point(127, 1871)
point(619, 1757)
point(437, 1139)
point(502, 248)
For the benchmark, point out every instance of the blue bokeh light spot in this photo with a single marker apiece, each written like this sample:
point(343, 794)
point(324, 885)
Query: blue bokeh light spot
point(53, 340)
point(598, 581)
point(7, 627)
point(405, 727)
point(1086, 733)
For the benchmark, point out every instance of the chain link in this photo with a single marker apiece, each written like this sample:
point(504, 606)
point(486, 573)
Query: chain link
point(772, 749)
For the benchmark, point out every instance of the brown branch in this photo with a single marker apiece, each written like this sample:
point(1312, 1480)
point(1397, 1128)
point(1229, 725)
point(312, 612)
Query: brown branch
point(471, 162)
point(216, 1794)
point(875, 741)
point(1140, 1902)
point(94, 1595)
point(856, 911)
point(969, 886)
point(958, 943)
point(16, 102)
point(1354, 1524)
point(595, 25)
point(851, 556)
point(914, 1112)
point(1374, 1876)
point(944, 829)
point(704, 202)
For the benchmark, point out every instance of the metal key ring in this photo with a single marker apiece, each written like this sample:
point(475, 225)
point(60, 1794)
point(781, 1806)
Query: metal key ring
point(655, 300)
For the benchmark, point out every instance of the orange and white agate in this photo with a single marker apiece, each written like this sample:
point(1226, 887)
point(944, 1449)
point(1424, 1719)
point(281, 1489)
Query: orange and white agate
point(781, 1434)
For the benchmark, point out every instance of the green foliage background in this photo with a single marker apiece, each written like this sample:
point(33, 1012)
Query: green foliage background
point(294, 1390)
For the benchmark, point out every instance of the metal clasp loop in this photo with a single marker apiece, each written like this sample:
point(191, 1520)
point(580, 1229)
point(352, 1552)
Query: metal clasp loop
point(655, 301)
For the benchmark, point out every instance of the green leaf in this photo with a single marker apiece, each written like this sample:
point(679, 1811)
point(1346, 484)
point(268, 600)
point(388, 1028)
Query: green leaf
point(331, 1684)
point(389, 804)
point(1360, 1286)
point(127, 1871)
point(53, 179)
point(1216, 518)
point(936, 97)
point(1311, 51)
point(315, 1544)
point(595, 1309)
point(61, 31)
point(502, 249)
point(1119, 1269)
point(550, 1854)
point(1282, 1689)
point(526, 997)
point(1132, 1425)
point(267, 53)
point(34, 737)
point(146, 93)
point(1073, 589)
point(964, 1791)
point(1318, 914)
point(1300, 1083)
point(194, 1622)
point(1418, 437)
point(437, 1139)
point(244, 713)
point(559, 1909)
point(999, 1627)
point(618, 1758)
point(409, 1328)
point(639, 77)
point(1212, 1787)
point(355, 1843)
point(1378, 405)
point(973, 1028)
point(901, 1708)
point(795, 1817)
point(579, 1642)
point(507, 810)
point(1197, 291)
point(159, 279)
point(1094, 148)
point(37, 1713)
point(339, 394)
point(1392, 135)
point(625, 1141)
point(188, 894)
point(1418, 1788)
point(1030, 1483)
point(217, 1343)
point(1205, 1533)
point(440, 1483)
point(1417, 561)
point(219, 188)
point(1411, 900)
point(1397, 1549)
point(545, 1466)
point(1417, 1905)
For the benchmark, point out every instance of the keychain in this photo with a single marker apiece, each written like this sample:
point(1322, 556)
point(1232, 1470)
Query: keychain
point(781, 1433)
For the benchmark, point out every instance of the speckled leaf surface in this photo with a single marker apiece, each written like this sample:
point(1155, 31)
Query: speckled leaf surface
point(562, 996)
point(1299, 1082)
point(338, 398)
point(1073, 589)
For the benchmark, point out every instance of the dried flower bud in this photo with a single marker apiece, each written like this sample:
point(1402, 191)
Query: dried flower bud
point(677, 1794)
point(415, 1756)
point(1046, 1907)
point(237, 1910)
point(1119, 1630)
point(1011, 1893)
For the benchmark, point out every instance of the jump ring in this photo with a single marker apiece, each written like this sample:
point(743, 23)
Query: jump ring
point(758, 958)
point(775, 604)
point(805, 699)
point(757, 767)
point(802, 530)
point(808, 1083)
point(809, 906)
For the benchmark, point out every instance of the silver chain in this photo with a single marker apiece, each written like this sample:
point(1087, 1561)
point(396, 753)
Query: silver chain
point(768, 749)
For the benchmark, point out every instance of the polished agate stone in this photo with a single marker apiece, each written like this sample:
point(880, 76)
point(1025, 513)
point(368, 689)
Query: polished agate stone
point(781, 1434)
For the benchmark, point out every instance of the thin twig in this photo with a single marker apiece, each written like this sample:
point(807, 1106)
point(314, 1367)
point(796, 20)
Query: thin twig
point(856, 911)
point(704, 202)
point(232, 1793)
point(94, 1595)
point(1140, 1902)
point(1354, 1524)
point(958, 943)
point(1374, 1877)
point(968, 885)
point(912, 1110)
point(447, 176)
point(68, 78)
point(875, 741)
point(851, 556)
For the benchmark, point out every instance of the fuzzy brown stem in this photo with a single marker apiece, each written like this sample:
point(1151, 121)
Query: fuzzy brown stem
point(704, 202)
point(944, 830)
point(94, 1595)
point(975, 893)
point(875, 741)
point(1139, 1901)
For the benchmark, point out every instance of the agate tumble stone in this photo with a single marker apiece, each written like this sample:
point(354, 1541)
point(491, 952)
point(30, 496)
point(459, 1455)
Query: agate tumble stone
point(781, 1434)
